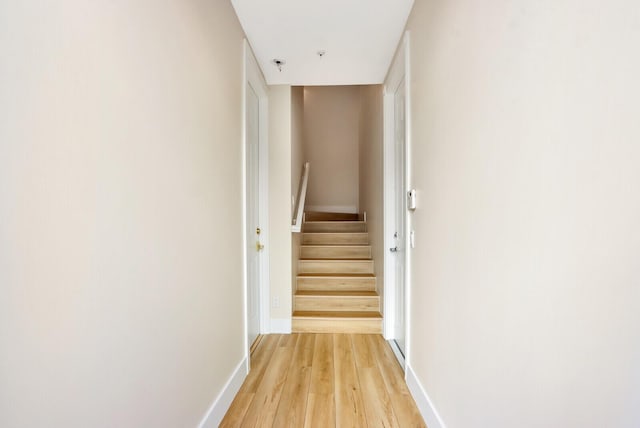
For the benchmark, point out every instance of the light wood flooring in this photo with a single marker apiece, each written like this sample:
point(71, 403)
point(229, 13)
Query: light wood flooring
point(323, 380)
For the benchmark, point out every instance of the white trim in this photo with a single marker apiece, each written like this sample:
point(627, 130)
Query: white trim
point(350, 209)
point(280, 325)
point(424, 403)
point(253, 76)
point(409, 225)
point(265, 286)
point(398, 73)
point(389, 216)
point(221, 404)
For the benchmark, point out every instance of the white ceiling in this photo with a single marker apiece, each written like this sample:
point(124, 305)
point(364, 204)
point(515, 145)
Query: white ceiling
point(359, 37)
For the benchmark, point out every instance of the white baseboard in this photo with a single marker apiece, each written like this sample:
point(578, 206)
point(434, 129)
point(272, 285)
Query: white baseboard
point(280, 326)
point(351, 209)
point(221, 404)
point(424, 403)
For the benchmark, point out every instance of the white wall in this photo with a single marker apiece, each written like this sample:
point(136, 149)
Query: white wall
point(280, 206)
point(371, 174)
point(120, 205)
point(526, 154)
point(331, 126)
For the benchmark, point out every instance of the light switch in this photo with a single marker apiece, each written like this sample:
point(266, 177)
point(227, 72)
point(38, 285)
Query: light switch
point(411, 199)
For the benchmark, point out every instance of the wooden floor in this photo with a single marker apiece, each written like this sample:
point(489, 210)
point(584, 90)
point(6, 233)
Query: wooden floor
point(323, 380)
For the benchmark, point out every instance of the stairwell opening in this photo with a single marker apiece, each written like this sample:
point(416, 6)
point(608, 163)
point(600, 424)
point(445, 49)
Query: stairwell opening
point(337, 266)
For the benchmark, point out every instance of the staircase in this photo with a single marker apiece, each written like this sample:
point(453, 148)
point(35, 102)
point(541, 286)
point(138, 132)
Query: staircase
point(336, 284)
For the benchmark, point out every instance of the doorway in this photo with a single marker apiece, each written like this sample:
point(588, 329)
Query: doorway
point(256, 200)
point(399, 250)
point(254, 246)
point(397, 230)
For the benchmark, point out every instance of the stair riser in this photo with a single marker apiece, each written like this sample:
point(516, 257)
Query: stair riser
point(335, 238)
point(318, 216)
point(337, 252)
point(336, 284)
point(336, 326)
point(334, 226)
point(335, 267)
point(333, 303)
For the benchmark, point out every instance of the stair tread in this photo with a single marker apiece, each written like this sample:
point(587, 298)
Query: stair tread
point(334, 222)
point(336, 275)
point(337, 260)
point(329, 216)
point(326, 293)
point(335, 245)
point(336, 233)
point(337, 314)
point(368, 259)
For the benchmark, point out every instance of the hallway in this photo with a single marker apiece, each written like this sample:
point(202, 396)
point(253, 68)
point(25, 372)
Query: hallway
point(323, 380)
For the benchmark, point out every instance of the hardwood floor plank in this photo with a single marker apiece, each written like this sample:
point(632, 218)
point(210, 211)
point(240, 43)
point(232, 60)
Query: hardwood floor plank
point(389, 367)
point(288, 340)
point(293, 402)
point(379, 410)
point(350, 410)
point(259, 361)
point(322, 370)
point(238, 409)
point(320, 411)
point(403, 403)
point(362, 351)
point(264, 405)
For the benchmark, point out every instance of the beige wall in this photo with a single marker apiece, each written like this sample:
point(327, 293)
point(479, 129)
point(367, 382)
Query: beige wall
point(371, 174)
point(298, 157)
point(331, 115)
point(280, 204)
point(120, 203)
point(526, 154)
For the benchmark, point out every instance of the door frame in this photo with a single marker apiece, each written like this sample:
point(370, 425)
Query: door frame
point(398, 72)
point(252, 75)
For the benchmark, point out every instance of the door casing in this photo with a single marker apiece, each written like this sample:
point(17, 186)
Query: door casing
point(252, 75)
point(398, 73)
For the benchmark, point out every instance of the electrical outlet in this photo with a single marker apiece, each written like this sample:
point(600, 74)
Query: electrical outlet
point(276, 302)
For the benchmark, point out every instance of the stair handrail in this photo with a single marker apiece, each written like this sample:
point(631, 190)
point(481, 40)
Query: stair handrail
point(296, 223)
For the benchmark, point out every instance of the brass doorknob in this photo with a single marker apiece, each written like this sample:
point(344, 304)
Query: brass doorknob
point(259, 246)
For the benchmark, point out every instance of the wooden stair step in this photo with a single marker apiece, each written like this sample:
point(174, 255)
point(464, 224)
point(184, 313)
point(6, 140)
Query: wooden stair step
point(329, 282)
point(324, 216)
point(334, 226)
point(339, 238)
point(331, 300)
point(336, 293)
point(364, 322)
point(335, 266)
point(335, 252)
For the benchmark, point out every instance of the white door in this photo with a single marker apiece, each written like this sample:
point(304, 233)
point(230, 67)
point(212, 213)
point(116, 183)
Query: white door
point(253, 245)
point(400, 233)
